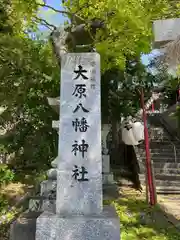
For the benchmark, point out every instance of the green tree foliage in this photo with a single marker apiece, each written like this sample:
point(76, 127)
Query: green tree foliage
point(6, 175)
point(127, 26)
point(29, 74)
point(121, 89)
point(126, 33)
point(5, 26)
point(30, 77)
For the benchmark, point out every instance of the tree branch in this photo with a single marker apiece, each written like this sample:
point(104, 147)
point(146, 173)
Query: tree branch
point(45, 23)
point(60, 11)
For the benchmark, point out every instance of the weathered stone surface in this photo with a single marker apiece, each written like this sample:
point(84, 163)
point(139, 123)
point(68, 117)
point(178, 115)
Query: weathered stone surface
point(24, 228)
point(54, 163)
point(165, 30)
point(35, 205)
point(79, 149)
point(47, 186)
point(42, 205)
point(104, 132)
point(49, 205)
point(92, 159)
point(78, 197)
point(93, 227)
point(110, 192)
point(52, 174)
point(105, 163)
point(108, 178)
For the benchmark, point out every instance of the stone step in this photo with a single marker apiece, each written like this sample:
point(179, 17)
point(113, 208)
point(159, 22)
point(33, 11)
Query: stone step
point(164, 183)
point(160, 144)
point(158, 138)
point(163, 148)
point(166, 171)
point(166, 153)
point(166, 165)
point(159, 189)
point(160, 156)
point(166, 141)
point(166, 190)
point(161, 160)
point(168, 177)
point(159, 151)
point(164, 177)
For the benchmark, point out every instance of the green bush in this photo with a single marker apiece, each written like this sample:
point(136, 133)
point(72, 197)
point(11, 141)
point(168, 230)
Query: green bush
point(6, 175)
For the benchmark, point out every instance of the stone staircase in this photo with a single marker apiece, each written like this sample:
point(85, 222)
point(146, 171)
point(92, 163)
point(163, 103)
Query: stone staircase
point(165, 155)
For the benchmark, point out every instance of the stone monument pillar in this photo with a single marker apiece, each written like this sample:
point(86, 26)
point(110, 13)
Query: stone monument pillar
point(79, 202)
point(107, 175)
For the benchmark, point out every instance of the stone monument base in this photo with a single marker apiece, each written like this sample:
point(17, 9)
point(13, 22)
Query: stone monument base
point(105, 226)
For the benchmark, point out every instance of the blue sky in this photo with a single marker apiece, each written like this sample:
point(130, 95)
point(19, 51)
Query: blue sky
point(55, 18)
point(145, 58)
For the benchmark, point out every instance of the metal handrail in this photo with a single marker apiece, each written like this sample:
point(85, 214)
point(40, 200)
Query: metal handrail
point(174, 146)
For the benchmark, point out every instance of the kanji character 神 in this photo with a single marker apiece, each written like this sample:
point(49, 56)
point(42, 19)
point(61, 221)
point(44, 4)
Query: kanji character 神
point(82, 148)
